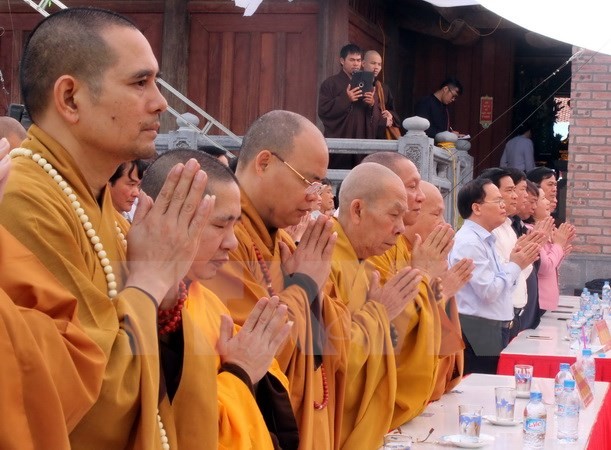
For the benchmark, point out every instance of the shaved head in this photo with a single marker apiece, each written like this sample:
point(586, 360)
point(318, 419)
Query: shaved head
point(366, 181)
point(372, 204)
point(431, 193)
point(408, 172)
point(431, 213)
point(68, 42)
point(372, 62)
point(386, 159)
point(155, 175)
point(12, 130)
point(371, 54)
point(274, 131)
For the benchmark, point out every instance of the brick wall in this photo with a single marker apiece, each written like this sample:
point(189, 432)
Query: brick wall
point(589, 177)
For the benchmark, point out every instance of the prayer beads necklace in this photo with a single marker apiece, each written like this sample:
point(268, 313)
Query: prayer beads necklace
point(80, 213)
point(93, 238)
point(268, 280)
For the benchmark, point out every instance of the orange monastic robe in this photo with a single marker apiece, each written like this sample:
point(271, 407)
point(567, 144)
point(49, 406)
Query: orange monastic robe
point(241, 283)
point(429, 324)
point(51, 372)
point(40, 215)
point(371, 382)
point(211, 409)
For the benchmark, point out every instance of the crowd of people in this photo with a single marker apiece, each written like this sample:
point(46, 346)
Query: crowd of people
point(223, 312)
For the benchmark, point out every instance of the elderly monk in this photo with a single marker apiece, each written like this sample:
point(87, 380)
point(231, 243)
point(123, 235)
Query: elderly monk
point(451, 361)
point(94, 108)
point(213, 396)
point(281, 162)
point(372, 204)
point(420, 327)
point(51, 372)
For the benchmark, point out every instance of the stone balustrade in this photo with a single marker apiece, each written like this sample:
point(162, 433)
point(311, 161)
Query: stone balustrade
point(448, 166)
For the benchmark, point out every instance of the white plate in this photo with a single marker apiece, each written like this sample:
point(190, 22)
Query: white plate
point(456, 439)
point(504, 423)
point(523, 394)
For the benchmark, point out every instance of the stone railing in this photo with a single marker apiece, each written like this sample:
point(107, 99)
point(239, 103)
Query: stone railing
point(447, 167)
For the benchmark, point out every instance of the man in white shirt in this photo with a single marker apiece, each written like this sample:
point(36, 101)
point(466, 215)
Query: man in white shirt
point(484, 303)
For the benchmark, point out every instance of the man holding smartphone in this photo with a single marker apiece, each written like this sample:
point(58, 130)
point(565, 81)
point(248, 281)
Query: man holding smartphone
point(345, 110)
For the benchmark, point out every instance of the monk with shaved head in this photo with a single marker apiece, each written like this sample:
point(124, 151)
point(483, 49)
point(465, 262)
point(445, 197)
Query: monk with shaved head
point(384, 104)
point(282, 161)
point(372, 205)
point(451, 360)
point(12, 130)
point(419, 327)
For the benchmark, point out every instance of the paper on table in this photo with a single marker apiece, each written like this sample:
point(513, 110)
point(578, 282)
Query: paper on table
point(547, 392)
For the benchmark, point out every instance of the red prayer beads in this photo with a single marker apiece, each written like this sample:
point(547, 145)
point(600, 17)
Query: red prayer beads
point(325, 390)
point(169, 320)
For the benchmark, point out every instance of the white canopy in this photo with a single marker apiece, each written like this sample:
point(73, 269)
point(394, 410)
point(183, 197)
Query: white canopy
point(583, 24)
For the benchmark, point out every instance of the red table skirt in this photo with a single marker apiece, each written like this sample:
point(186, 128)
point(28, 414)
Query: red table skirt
point(546, 366)
point(600, 437)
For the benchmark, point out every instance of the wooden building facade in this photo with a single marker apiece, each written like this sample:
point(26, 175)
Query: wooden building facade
point(237, 68)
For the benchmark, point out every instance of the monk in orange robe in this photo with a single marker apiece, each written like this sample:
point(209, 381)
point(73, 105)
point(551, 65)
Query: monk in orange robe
point(427, 251)
point(214, 399)
point(282, 160)
point(372, 204)
point(94, 108)
point(51, 372)
point(451, 361)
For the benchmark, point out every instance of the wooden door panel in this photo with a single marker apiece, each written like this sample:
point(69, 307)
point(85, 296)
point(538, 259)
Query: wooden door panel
point(253, 64)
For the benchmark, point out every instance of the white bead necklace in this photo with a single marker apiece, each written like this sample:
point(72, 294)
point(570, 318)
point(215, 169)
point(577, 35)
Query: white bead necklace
point(80, 213)
point(93, 238)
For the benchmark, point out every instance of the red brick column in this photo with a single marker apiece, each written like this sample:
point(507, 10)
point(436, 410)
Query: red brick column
point(589, 175)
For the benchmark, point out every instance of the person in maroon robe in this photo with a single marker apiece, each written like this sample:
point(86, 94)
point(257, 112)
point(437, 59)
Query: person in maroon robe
point(346, 112)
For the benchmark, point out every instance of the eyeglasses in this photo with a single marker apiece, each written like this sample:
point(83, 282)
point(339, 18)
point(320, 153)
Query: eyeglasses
point(314, 188)
point(498, 201)
point(454, 93)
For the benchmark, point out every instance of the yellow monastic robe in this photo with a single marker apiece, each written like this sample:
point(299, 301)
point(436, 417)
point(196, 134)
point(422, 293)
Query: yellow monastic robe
point(451, 355)
point(214, 409)
point(371, 382)
point(39, 214)
point(431, 344)
point(241, 283)
point(51, 372)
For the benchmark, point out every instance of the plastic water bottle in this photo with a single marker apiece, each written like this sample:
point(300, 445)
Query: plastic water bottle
point(564, 374)
point(589, 367)
point(584, 298)
point(535, 420)
point(575, 333)
point(568, 413)
point(606, 292)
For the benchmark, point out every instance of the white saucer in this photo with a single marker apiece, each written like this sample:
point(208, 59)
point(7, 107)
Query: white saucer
point(504, 423)
point(523, 394)
point(456, 439)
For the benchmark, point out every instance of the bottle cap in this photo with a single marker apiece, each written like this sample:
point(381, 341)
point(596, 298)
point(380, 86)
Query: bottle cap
point(569, 384)
point(534, 395)
point(565, 366)
point(586, 352)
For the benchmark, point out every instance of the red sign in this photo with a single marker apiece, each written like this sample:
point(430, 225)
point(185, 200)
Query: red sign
point(485, 111)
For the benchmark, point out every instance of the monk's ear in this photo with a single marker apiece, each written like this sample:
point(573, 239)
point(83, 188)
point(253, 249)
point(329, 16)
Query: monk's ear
point(356, 210)
point(68, 94)
point(262, 161)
